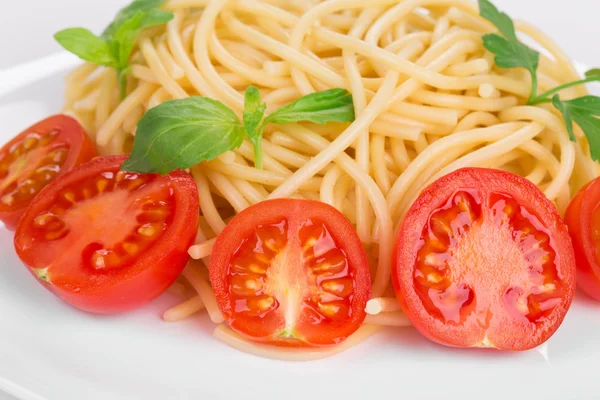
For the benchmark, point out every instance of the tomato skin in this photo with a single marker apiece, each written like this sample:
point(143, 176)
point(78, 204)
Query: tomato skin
point(520, 336)
point(243, 225)
point(152, 272)
point(579, 220)
point(81, 150)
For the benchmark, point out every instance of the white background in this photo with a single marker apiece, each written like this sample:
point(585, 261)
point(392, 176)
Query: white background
point(26, 29)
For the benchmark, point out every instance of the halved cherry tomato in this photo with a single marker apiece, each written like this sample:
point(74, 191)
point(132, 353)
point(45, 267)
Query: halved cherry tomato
point(583, 220)
point(36, 157)
point(483, 260)
point(106, 240)
point(291, 272)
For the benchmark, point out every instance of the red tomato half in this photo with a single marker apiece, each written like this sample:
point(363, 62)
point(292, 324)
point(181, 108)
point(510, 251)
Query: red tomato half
point(106, 240)
point(36, 157)
point(583, 219)
point(483, 260)
point(291, 272)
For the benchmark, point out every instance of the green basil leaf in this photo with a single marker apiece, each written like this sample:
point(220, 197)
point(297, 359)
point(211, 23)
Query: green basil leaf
point(593, 73)
point(564, 110)
point(585, 111)
point(508, 50)
point(334, 105)
point(86, 46)
point(128, 33)
point(178, 134)
point(254, 111)
point(128, 12)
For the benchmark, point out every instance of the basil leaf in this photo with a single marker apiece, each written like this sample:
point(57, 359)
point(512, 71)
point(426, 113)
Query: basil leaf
point(129, 31)
point(508, 50)
point(254, 111)
point(585, 111)
point(128, 12)
point(593, 73)
point(178, 134)
point(564, 110)
point(86, 46)
point(334, 105)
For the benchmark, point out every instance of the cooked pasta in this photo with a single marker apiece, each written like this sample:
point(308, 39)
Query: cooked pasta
point(428, 100)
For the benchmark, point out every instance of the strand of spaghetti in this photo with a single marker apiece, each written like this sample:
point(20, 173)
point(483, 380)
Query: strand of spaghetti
point(227, 189)
point(254, 75)
point(158, 69)
point(442, 146)
point(285, 52)
point(103, 105)
point(138, 96)
point(559, 55)
point(202, 250)
point(184, 310)
point(207, 205)
point(397, 319)
point(205, 292)
point(234, 340)
point(382, 304)
point(475, 119)
point(183, 59)
point(465, 102)
point(177, 289)
point(270, 163)
point(167, 61)
point(340, 200)
point(349, 136)
point(328, 185)
point(567, 150)
point(477, 158)
point(204, 31)
point(268, 178)
point(363, 214)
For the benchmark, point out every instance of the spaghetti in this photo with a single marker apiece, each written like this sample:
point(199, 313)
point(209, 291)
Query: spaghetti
point(428, 100)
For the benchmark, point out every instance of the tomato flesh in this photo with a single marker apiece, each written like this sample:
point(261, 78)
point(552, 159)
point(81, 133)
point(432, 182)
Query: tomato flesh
point(483, 260)
point(583, 219)
point(101, 230)
point(289, 274)
point(36, 157)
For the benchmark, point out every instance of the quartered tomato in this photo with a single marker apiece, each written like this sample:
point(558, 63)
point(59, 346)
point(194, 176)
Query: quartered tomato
point(583, 220)
point(291, 272)
point(36, 157)
point(106, 240)
point(483, 259)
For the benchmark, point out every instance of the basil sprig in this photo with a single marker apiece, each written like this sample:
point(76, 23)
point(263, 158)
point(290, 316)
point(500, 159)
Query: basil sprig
point(511, 53)
point(178, 134)
point(113, 48)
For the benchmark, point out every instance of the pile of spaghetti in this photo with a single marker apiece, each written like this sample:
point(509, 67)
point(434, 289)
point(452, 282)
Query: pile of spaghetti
point(428, 100)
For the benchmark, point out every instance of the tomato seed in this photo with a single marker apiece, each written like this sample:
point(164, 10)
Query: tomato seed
point(101, 185)
point(339, 287)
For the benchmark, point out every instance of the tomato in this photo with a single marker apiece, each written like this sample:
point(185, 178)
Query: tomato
point(106, 240)
point(291, 272)
point(36, 157)
point(583, 220)
point(483, 259)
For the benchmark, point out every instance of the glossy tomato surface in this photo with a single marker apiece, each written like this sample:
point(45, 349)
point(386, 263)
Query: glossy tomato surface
point(291, 272)
point(106, 240)
point(483, 259)
point(34, 158)
point(583, 220)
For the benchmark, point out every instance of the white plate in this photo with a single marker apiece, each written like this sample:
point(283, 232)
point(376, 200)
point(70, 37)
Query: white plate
point(51, 351)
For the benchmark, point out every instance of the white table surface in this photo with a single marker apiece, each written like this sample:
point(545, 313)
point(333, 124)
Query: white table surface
point(26, 28)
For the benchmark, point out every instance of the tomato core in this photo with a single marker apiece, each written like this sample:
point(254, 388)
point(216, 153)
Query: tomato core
point(483, 260)
point(295, 279)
